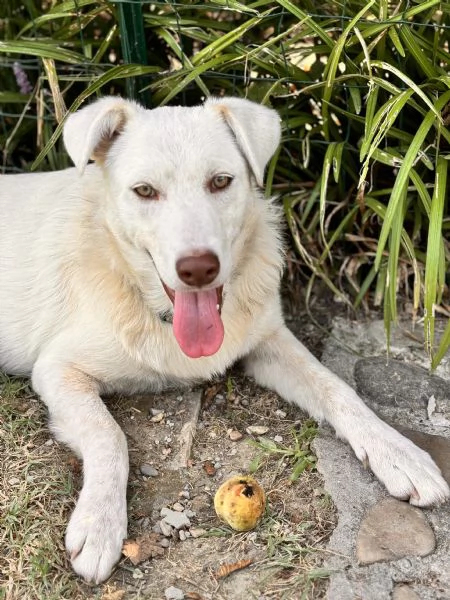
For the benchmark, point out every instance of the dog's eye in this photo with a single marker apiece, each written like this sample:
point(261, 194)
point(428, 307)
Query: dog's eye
point(144, 190)
point(220, 182)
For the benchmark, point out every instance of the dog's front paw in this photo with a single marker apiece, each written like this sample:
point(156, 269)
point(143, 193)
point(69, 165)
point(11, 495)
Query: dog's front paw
point(408, 472)
point(95, 534)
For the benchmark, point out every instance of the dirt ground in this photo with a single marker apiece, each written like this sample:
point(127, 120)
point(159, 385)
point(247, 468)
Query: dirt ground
point(41, 479)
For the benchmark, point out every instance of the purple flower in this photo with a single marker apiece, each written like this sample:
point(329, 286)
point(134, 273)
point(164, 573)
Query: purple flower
point(23, 82)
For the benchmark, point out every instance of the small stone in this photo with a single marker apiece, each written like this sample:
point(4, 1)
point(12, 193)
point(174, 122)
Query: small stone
point(156, 528)
point(156, 411)
point(178, 520)
point(137, 574)
point(281, 414)
point(391, 530)
point(174, 593)
point(157, 418)
point(184, 494)
point(182, 535)
point(278, 439)
point(217, 465)
point(190, 513)
point(13, 480)
point(178, 507)
point(49, 442)
point(165, 528)
point(148, 470)
point(257, 430)
point(404, 592)
point(197, 532)
point(235, 435)
point(164, 542)
point(144, 523)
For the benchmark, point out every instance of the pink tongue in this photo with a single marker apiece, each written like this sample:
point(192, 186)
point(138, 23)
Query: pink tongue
point(197, 324)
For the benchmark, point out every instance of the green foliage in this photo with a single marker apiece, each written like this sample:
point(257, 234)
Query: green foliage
point(298, 456)
point(362, 89)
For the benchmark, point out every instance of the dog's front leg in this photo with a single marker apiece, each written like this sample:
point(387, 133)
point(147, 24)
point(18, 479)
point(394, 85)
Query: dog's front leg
point(79, 418)
point(283, 364)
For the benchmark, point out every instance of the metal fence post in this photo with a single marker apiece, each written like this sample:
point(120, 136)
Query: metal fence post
point(133, 43)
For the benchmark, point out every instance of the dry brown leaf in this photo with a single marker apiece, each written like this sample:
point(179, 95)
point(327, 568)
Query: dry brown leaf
point(142, 548)
point(229, 568)
point(209, 468)
point(113, 594)
point(209, 394)
point(75, 465)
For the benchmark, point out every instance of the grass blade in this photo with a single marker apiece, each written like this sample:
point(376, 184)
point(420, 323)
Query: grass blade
point(434, 249)
point(403, 174)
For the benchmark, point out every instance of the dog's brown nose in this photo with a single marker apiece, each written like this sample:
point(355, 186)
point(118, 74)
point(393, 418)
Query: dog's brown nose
point(198, 270)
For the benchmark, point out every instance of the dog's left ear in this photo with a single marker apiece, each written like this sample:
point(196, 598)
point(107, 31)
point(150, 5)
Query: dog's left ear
point(256, 128)
point(90, 132)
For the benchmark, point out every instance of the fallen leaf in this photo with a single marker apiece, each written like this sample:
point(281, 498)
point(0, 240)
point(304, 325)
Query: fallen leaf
point(209, 468)
point(209, 394)
point(75, 465)
point(113, 594)
point(142, 548)
point(257, 430)
point(229, 568)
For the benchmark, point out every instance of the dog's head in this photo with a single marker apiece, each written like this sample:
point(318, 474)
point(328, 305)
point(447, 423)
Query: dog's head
point(180, 182)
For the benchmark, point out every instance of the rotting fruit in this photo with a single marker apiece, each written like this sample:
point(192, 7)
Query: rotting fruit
point(240, 502)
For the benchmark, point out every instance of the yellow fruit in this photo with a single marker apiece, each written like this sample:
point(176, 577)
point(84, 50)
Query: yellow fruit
point(240, 502)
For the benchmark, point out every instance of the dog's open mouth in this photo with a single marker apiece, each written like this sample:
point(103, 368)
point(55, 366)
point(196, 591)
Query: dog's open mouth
point(197, 324)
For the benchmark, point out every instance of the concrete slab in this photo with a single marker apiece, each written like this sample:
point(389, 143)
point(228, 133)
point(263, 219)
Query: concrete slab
point(423, 407)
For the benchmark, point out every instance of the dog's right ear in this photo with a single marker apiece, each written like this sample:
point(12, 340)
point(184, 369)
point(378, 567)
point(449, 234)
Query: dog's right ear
point(89, 132)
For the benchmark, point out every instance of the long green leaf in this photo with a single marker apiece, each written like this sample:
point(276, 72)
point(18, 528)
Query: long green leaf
point(434, 248)
point(403, 174)
point(332, 65)
point(41, 49)
point(443, 347)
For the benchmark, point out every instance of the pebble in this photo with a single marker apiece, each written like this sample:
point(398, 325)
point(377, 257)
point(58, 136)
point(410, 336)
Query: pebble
point(137, 574)
point(156, 411)
point(281, 414)
point(257, 430)
point(235, 435)
point(157, 418)
point(182, 535)
point(404, 592)
point(165, 528)
point(197, 532)
point(148, 470)
point(190, 513)
point(278, 439)
point(178, 507)
point(173, 593)
point(178, 520)
point(157, 528)
point(184, 494)
point(391, 530)
point(164, 542)
point(49, 442)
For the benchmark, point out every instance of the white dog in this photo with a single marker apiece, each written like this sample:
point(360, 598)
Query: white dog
point(159, 265)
